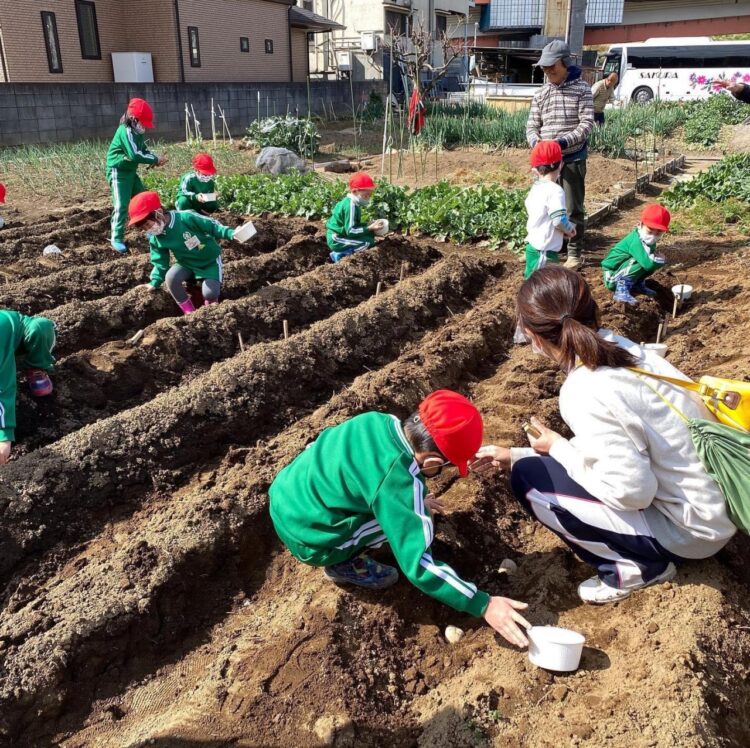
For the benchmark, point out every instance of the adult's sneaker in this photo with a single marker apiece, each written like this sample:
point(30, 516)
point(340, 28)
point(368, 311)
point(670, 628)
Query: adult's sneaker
point(573, 262)
point(362, 571)
point(40, 384)
point(597, 592)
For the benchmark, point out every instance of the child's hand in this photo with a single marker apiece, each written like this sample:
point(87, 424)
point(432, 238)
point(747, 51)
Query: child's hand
point(489, 458)
point(376, 225)
point(434, 504)
point(547, 437)
point(149, 287)
point(570, 234)
point(162, 160)
point(4, 452)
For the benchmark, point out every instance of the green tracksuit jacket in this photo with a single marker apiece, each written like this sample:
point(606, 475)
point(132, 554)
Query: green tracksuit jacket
point(192, 240)
point(355, 487)
point(188, 191)
point(630, 258)
point(345, 230)
point(32, 337)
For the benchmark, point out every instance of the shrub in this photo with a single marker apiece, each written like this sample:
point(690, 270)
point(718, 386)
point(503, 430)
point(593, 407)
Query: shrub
point(294, 133)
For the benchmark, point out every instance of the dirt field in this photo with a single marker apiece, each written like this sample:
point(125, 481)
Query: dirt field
point(146, 600)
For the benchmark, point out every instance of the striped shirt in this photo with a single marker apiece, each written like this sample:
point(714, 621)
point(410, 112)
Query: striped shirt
point(564, 113)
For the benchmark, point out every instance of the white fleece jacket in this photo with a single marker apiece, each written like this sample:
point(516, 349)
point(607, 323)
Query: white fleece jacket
point(632, 452)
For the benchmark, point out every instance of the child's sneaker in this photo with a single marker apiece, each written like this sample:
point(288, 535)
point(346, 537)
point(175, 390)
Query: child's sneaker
point(364, 572)
point(641, 287)
point(119, 247)
point(40, 384)
point(623, 292)
point(336, 256)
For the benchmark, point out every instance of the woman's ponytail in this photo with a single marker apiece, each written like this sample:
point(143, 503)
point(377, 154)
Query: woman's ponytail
point(556, 305)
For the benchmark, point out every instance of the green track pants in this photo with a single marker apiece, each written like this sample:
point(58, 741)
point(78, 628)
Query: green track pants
point(125, 185)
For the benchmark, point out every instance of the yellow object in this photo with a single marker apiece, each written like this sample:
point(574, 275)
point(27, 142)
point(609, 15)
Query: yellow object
point(727, 399)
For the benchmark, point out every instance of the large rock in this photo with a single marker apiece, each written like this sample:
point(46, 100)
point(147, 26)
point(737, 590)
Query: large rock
point(279, 161)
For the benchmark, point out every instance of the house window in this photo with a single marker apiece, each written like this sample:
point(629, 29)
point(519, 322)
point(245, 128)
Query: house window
point(441, 26)
point(308, 5)
point(88, 31)
point(244, 44)
point(51, 42)
point(395, 23)
point(195, 46)
point(269, 46)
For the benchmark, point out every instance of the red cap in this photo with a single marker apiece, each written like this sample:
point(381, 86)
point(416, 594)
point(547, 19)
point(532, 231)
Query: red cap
point(142, 111)
point(2, 194)
point(455, 425)
point(546, 153)
point(142, 205)
point(361, 181)
point(204, 164)
point(656, 216)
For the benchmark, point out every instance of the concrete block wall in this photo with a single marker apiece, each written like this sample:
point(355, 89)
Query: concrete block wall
point(53, 113)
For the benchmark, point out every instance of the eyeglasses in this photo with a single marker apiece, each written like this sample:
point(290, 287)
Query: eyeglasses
point(433, 470)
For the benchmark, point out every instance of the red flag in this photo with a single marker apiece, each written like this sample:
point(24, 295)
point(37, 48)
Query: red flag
point(417, 113)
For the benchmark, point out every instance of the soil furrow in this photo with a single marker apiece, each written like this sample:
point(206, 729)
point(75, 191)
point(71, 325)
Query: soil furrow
point(130, 592)
point(237, 401)
point(97, 383)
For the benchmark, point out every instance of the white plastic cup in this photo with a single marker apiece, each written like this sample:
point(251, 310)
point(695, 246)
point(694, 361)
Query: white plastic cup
point(554, 648)
point(660, 349)
point(207, 197)
point(384, 227)
point(682, 291)
point(245, 232)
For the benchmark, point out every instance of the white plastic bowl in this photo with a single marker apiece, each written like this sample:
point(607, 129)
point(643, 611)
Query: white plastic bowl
point(660, 349)
point(384, 228)
point(208, 197)
point(683, 291)
point(244, 232)
point(554, 648)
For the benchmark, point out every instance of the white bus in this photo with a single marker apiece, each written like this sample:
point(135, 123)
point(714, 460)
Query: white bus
point(676, 69)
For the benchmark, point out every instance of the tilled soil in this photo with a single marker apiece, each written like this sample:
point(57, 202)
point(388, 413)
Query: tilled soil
point(146, 600)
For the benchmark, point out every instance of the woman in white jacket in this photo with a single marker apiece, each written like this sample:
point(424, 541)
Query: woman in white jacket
point(628, 492)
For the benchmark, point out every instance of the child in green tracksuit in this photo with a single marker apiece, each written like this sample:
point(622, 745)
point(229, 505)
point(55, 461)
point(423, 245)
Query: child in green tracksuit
point(190, 238)
point(634, 258)
point(34, 339)
point(197, 190)
point(345, 232)
point(2, 202)
point(126, 151)
point(362, 484)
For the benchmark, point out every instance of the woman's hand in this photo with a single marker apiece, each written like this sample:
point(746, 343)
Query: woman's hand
point(502, 616)
point(490, 458)
point(434, 504)
point(4, 452)
point(547, 437)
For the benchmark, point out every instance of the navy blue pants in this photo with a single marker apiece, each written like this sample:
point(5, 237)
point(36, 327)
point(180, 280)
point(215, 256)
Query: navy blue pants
point(618, 544)
point(599, 118)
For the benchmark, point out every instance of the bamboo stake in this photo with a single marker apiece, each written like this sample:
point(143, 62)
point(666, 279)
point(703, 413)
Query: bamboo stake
point(198, 135)
point(403, 270)
point(674, 306)
point(659, 332)
point(286, 330)
point(378, 288)
point(187, 124)
point(213, 122)
point(242, 343)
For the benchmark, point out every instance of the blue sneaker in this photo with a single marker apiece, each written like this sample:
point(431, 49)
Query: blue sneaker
point(623, 292)
point(641, 287)
point(336, 256)
point(119, 247)
point(364, 572)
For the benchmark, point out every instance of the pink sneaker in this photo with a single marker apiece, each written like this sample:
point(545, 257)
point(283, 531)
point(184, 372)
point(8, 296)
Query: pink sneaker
point(186, 306)
point(39, 382)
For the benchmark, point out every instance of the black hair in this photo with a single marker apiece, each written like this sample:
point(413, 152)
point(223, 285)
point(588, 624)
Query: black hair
point(129, 120)
point(150, 217)
point(418, 435)
point(548, 168)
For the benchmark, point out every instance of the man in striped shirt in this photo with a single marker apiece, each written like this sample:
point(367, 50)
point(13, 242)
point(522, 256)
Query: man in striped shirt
point(563, 110)
point(362, 484)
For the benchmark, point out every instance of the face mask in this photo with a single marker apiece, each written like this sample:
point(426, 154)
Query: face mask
point(647, 237)
point(139, 128)
point(204, 177)
point(358, 200)
point(156, 230)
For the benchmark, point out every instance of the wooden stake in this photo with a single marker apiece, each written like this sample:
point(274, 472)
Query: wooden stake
point(286, 330)
point(242, 343)
point(659, 332)
point(213, 122)
point(674, 306)
point(378, 288)
point(450, 310)
point(403, 270)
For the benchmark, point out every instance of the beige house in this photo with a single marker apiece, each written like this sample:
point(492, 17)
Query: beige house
point(189, 41)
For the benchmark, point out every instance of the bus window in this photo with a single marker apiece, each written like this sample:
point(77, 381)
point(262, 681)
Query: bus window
point(613, 62)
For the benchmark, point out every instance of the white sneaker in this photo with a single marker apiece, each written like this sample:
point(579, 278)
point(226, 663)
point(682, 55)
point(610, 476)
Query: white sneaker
point(597, 592)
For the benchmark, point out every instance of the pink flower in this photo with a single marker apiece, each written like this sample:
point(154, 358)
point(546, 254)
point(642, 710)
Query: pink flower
point(701, 79)
point(746, 77)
